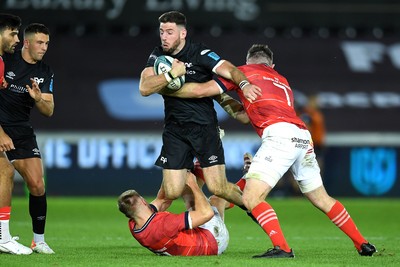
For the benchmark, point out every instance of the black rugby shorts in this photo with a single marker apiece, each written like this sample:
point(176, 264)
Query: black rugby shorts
point(25, 144)
point(182, 143)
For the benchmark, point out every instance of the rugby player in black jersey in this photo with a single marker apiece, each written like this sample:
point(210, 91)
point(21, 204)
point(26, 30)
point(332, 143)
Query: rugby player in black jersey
point(191, 125)
point(30, 84)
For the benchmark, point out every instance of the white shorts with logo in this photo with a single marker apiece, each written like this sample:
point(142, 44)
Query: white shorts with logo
point(286, 147)
point(218, 229)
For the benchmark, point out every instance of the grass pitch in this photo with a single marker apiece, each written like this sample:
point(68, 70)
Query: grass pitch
point(92, 232)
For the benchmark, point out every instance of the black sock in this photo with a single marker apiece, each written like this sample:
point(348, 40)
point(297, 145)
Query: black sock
point(38, 210)
point(248, 213)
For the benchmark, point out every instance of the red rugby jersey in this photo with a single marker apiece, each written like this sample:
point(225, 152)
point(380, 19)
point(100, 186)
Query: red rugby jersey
point(276, 102)
point(166, 233)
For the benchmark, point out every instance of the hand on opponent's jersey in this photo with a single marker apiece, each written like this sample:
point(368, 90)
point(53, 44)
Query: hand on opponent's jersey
point(251, 92)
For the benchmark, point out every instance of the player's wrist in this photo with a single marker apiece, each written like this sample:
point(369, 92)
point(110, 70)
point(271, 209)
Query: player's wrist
point(37, 101)
point(171, 75)
point(243, 83)
point(168, 77)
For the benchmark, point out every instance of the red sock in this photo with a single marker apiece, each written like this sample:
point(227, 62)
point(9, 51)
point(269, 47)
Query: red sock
point(241, 183)
point(5, 213)
point(339, 216)
point(268, 220)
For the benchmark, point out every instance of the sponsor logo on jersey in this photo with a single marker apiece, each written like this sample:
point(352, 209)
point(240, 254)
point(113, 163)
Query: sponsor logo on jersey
point(214, 56)
point(17, 89)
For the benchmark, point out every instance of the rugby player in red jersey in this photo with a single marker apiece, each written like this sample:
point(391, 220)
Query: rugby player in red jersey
point(286, 145)
point(198, 231)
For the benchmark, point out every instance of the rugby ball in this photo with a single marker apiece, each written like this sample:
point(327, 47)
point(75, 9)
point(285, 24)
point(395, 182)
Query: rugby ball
point(163, 64)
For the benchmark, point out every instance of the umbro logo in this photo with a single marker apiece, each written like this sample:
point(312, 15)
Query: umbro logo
point(10, 75)
point(163, 160)
point(213, 159)
point(36, 151)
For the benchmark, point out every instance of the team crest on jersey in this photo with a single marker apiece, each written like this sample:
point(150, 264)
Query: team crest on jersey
point(38, 80)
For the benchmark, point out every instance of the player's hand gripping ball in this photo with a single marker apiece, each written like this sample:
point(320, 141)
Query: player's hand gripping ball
point(163, 64)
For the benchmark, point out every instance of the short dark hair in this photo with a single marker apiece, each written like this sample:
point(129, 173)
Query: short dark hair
point(261, 51)
point(173, 16)
point(36, 28)
point(9, 21)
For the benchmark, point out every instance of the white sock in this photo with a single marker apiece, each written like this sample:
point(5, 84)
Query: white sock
point(38, 238)
point(4, 231)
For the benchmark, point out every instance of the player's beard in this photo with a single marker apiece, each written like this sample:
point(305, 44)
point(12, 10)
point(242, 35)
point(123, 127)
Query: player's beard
point(173, 47)
point(7, 48)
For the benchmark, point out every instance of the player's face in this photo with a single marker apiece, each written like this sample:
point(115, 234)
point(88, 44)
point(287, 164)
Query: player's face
point(37, 46)
point(172, 37)
point(9, 40)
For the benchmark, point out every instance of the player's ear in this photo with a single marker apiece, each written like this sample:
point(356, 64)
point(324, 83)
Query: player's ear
point(26, 43)
point(183, 33)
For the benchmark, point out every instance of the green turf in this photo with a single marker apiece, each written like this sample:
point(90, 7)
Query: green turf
point(92, 232)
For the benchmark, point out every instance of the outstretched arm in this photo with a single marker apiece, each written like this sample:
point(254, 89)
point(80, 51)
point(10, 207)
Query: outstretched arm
point(229, 71)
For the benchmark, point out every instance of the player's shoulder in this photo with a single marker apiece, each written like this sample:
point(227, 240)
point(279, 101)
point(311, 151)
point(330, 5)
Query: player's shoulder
point(16, 56)
point(45, 68)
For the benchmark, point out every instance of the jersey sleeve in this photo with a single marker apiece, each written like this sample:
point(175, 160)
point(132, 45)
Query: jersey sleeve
point(47, 86)
point(153, 56)
point(224, 84)
point(208, 58)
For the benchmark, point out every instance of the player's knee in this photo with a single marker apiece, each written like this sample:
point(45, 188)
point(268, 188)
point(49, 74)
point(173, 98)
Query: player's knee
point(36, 187)
point(219, 190)
point(250, 201)
point(172, 193)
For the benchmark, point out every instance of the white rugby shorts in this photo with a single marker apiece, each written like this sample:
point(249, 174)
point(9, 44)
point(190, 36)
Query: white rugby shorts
point(286, 147)
point(218, 229)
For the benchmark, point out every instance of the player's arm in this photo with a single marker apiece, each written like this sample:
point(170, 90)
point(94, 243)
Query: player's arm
point(233, 107)
point(230, 72)
point(43, 101)
point(6, 143)
point(150, 83)
point(196, 90)
point(161, 202)
point(202, 212)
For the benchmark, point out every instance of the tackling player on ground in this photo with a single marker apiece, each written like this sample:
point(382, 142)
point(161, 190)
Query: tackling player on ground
point(199, 231)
